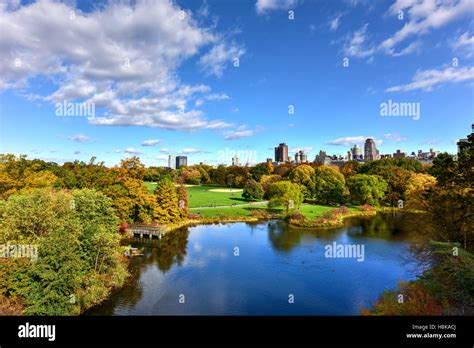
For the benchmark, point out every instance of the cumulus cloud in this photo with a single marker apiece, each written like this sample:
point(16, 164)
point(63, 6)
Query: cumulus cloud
point(428, 79)
point(122, 56)
point(191, 151)
point(151, 142)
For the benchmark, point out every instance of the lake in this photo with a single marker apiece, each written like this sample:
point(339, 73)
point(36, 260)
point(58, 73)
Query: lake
point(266, 268)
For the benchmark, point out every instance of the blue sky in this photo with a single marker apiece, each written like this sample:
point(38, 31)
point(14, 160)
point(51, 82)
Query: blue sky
point(163, 74)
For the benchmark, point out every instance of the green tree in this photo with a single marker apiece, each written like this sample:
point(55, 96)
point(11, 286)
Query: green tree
point(330, 185)
point(252, 190)
point(286, 194)
point(366, 189)
point(55, 275)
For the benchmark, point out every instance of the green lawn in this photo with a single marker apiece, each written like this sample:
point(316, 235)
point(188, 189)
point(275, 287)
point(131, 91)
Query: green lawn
point(200, 196)
point(311, 211)
point(200, 199)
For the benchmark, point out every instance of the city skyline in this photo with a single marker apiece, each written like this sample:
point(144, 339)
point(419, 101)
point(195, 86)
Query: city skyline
point(329, 75)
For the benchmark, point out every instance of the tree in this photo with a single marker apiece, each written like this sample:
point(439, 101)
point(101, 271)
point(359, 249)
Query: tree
point(252, 190)
point(167, 205)
point(330, 185)
point(366, 189)
point(350, 168)
point(303, 175)
point(183, 200)
point(55, 275)
point(267, 180)
point(32, 215)
point(286, 194)
point(417, 187)
point(259, 170)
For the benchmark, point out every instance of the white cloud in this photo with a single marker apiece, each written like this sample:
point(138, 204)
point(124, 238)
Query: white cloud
point(165, 150)
point(122, 56)
point(191, 151)
point(263, 6)
point(357, 46)
point(241, 132)
point(352, 140)
point(465, 44)
point(335, 22)
point(305, 149)
point(151, 142)
point(427, 79)
point(424, 16)
point(132, 151)
point(79, 138)
point(395, 137)
point(219, 56)
point(215, 96)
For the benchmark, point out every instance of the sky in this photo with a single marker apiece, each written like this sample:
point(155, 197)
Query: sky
point(210, 78)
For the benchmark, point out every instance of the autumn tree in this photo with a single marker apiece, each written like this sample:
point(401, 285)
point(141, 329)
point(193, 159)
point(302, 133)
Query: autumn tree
point(183, 200)
point(167, 204)
point(303, 175)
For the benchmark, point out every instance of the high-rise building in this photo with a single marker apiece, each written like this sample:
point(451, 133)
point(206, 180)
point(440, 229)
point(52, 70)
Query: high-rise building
point(399, 154)
point(356, 153)
point(297, 157)
point(281, 153)
point(181, 161)
point(235, 160)
point(172, 162)
point(370, 150)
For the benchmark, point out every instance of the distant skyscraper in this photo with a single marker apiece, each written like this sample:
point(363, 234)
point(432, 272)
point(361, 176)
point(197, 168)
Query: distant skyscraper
point(281, 153)
point(172, 162)
point(370, 150)
point(297, 158)
point(181, 161)
point(301, 157)
point(356, 152)
point(235, 160)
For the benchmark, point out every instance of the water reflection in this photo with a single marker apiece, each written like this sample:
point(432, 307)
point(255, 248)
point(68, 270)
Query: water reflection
point(275, 259)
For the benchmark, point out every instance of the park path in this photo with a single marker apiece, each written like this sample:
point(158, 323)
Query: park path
point(232, 206)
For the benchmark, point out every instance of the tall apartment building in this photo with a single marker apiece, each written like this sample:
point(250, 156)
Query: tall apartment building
point(281, 153)
point(172, 162)
point(181, 161)
point(235, 160)
point(370, 151)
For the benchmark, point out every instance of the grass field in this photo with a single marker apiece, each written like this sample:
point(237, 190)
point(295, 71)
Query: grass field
point(202, 196)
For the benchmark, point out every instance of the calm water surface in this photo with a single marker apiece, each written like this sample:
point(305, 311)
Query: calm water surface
point(274, 261)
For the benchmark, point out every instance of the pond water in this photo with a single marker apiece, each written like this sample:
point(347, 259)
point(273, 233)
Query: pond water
point(266, 268)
